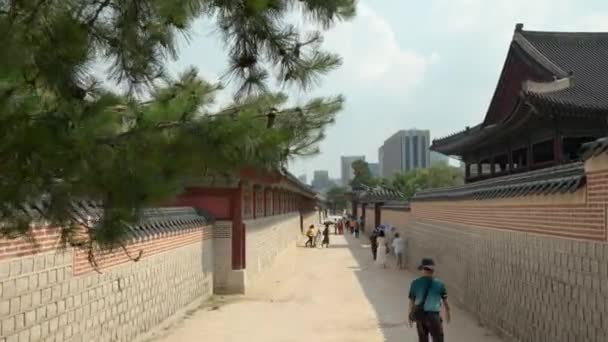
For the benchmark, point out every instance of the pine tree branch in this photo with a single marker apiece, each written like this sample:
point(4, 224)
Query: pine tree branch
point(112, 146)
point(100, 9)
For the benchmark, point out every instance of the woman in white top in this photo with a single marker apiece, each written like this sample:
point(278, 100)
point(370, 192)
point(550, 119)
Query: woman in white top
point(381, 254)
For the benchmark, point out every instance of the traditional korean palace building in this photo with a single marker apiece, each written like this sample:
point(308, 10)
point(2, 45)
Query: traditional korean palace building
point(551, 97)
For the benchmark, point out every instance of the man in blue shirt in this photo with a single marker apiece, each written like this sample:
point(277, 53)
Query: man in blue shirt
point(427, 294)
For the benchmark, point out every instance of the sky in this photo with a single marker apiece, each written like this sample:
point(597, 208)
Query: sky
point(429, 64)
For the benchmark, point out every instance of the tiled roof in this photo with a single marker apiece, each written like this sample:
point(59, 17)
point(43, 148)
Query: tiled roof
point(579, 57)
point(559, 179)
point(154, 222)
point(595, 148)
point(584, 56)
point(380, 194)
point(298, 183)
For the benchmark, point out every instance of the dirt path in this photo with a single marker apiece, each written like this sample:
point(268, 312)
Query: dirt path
point(333, 294)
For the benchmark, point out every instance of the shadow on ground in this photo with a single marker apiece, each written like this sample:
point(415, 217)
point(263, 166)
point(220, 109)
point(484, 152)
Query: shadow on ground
point(376, 284)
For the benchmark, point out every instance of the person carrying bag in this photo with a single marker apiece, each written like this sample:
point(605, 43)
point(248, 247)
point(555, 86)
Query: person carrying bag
point(427, 295)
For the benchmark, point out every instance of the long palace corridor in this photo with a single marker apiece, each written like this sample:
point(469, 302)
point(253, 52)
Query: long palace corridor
point(334, 294)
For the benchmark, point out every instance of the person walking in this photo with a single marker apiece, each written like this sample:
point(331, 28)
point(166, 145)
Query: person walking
point(427, 295)
point(310, 234)
point(325, 237)
point(382, 251)
point(399, 250)
point(373, 238)
point(318, 237)
point(347, 225)
point(327, 224)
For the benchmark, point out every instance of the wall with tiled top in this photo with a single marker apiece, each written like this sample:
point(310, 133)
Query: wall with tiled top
point(49, 297)
point(534, 268)
point(53, 294)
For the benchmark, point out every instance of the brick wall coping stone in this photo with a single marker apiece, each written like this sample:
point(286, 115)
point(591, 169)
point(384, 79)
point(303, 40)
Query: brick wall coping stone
point(594, 148)
point(558, 179)
point(378, 194)
point(155, 222)
point(397, 205)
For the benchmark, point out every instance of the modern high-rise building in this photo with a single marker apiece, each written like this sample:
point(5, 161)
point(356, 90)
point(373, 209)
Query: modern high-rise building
point(320, 180)
point(374, 169)
point(347, 173)
point(404, 151)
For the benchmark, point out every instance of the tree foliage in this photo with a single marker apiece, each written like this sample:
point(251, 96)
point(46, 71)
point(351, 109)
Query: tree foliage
point(67, 136)
point(420, 179)
point(337, 198)
point(362, 175)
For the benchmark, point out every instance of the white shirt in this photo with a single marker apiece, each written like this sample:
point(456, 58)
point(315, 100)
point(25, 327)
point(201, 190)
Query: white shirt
point(398, 245)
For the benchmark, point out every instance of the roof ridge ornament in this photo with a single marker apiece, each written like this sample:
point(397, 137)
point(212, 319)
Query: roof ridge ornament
point(519, 27)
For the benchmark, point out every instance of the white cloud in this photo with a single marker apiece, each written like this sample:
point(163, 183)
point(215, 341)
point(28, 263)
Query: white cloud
point(491, 17)
point(373, 56)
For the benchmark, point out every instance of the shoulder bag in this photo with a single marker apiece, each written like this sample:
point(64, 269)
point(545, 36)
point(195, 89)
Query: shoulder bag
point(418, 312)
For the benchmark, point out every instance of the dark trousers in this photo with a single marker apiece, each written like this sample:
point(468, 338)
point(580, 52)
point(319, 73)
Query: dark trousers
point(430, 324)
point(375, 252)
point(310, 242)
point(357, 233)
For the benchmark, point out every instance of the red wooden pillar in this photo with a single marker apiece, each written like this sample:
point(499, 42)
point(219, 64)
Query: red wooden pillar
point(510, 158)
point(276, 208)
point(254, 198)
point(363, 207)
point(530, 155)
point(238, 230)
point(377, 214)
point(287, 209)
point(557, 149)
point(285, 202)
point(272, 200)
point(266, 202)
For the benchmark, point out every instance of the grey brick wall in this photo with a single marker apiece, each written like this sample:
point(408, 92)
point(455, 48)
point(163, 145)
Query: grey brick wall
point(532, 288)
point(267, 238)
point(41, 300)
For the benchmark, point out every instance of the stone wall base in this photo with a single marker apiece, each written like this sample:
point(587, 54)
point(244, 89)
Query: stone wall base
point(527, 286)
point(235, 282)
